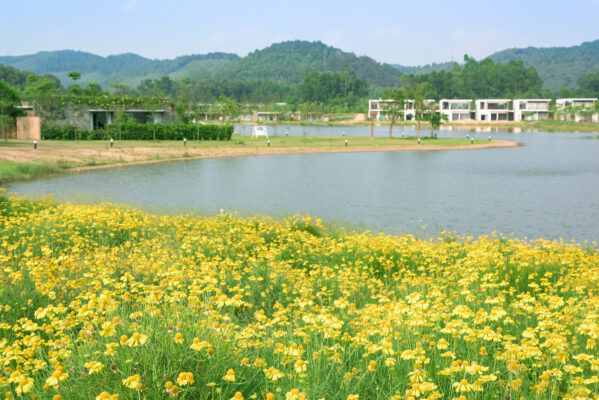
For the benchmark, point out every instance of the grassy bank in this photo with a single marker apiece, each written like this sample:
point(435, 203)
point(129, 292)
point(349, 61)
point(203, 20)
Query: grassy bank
point(18, 159)
point(100, 301)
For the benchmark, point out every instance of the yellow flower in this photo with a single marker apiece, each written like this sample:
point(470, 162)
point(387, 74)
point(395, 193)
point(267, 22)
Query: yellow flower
point(273, 374)
point(107, 329)
point(461, 386)
point(372, 366)
point(353, 397)
point(301, 366)
point(229, 376)
point(171, 389)
point(25, 384)
point(137, 339)
point(57, 376)
point(178, 338)
point(295, 394)
point(270, 396)
point(107, 396)
point(94, 367)
point(133, 382)
point(185, 378)
point(238, 396)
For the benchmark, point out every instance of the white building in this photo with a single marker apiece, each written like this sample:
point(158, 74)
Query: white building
point(493, 110)
point(576, 105)
point(410, 108)
point(376, 109)
point(531, 109)
point(455, 110)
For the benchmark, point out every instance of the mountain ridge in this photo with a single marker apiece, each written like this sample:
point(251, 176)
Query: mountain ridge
point(287, 62)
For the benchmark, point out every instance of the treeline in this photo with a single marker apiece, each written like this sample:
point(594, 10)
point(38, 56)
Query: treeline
point(481, 79)
point(488, 79)
point(325, 88)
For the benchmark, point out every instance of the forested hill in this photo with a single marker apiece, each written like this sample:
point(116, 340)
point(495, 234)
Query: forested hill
point(284, 62)
point(288, 61)
point(558, 66)
point(124, 68)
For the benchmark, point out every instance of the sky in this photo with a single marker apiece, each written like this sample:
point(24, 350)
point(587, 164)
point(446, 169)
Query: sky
point(414, 32)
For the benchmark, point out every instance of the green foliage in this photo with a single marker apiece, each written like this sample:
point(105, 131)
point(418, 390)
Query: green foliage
point(558, 66)
point(588, 84)
point(481, 79)
point(130, 131)
point(74, 75)
point(286, 61)
point(320, 87)
point(8, 111)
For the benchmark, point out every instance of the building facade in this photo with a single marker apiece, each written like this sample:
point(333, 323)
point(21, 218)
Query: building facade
point(531, 109)
point(456, 110)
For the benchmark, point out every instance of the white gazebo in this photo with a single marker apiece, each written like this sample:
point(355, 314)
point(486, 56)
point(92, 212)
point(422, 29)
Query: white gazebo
point(259, 131)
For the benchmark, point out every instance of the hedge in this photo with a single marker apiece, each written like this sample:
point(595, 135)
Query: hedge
point(141, 132)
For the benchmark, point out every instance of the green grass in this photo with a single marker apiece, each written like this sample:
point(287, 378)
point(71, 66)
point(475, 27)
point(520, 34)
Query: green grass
point(12, 171)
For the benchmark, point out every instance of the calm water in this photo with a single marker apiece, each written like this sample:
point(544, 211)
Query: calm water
point(548, 188)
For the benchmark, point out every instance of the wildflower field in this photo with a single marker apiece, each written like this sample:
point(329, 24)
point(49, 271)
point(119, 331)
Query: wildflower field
point(108, 302)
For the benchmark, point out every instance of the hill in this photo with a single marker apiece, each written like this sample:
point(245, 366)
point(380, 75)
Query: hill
point(558, 66)
point(284, 62)
point(125, 68)
point(288, 61)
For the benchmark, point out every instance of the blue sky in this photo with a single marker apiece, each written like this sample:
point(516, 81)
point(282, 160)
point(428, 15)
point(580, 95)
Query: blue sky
point(402, 32)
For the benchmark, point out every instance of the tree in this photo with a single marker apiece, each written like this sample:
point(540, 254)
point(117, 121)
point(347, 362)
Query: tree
point(589, 84)
point(229, 108)
point(420, 93)
point(435, 119)
point(393, 105)
point(8, 108)
point(74, 75)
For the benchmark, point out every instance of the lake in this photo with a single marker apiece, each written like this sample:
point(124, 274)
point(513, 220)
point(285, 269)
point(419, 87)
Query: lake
point(547, 188)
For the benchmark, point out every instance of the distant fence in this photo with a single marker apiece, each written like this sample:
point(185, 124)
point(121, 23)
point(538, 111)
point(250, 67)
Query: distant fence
point(140, 132)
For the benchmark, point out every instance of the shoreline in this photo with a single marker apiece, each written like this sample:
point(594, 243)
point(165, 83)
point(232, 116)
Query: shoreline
point(56, 165)
point(292, 150)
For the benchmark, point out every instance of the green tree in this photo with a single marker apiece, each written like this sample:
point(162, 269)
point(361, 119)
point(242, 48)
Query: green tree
point(8, 108)
point(42, 92)
point(75, 76)
point(435, 119)
point(229, 108)
point(421, 93)
point(393, 105)
point(589, 84)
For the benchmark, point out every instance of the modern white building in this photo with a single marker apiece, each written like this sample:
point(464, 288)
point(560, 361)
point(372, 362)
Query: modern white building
point(410, 108)
point(575, 105)
point(493, 110)
point(456, 110)
point(376, 109)
point(531, 109)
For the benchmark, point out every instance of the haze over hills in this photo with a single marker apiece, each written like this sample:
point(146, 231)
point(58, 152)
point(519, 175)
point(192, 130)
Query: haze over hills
point(287, 62)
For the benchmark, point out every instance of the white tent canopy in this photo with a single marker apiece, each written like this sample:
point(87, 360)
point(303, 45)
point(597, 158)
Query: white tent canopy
point(259, 131)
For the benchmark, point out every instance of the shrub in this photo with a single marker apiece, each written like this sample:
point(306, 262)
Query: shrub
point(141, 132)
